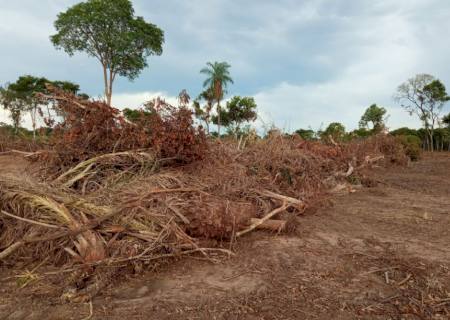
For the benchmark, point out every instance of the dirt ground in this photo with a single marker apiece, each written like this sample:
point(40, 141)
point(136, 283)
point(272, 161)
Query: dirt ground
point(380, 253)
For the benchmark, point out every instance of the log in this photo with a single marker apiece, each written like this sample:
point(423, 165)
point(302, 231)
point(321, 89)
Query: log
point(261, 221)
point(296, 203)
point(272, 224)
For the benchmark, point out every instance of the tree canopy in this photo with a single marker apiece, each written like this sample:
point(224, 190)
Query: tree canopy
point(306, 134)
point(374, 115)
point(109, 31)
point(238, 110)
point(21, 96)
point(424, 96)
point(335, 131)
point(446, 120)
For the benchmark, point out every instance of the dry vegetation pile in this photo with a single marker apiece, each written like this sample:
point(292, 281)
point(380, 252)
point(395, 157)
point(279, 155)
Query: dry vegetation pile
point(419, 290)
point(123, 194)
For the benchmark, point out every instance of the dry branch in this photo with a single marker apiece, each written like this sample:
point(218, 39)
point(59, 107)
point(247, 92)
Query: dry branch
point(271, 225)
point(261, 221)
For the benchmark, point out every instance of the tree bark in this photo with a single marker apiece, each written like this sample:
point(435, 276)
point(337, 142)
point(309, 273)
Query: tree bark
point(33, 121)
point(218, 117)
point(108, 83)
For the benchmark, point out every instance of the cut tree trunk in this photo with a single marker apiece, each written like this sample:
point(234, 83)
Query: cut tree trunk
point(272, 225)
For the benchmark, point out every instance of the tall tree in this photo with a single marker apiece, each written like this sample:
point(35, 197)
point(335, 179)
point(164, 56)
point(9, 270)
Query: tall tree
point(109, 31)
point(424, 96)
point(218, 78)
point(375, 115)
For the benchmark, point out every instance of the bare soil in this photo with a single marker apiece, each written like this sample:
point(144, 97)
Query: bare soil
point(379, 253)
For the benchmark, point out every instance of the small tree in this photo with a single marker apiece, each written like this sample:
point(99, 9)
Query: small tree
point(203, 113)
point(184, 98)
point(218, 77)
point(12, 103)
point(424, 96)
point(26, 88)
point(238, 110)
point(109, 31)
point(306, 134)
point(374, 115)
point(334, 132)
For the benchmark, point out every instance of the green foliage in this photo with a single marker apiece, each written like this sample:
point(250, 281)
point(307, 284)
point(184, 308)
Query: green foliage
point(374, 115)
point(134, 115)
point(217, 79)
point(359, 133)
point(404, 131)
point(109, 31)
point(335, 130)
point(238, 110)
point(11, 101)
point(446, 120)
point(21, 96)
point(412, 145)
point(306, 134)
point(203, 113)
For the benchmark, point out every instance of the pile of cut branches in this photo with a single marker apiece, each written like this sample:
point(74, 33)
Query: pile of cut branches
point(126, 193)
point(92, 129)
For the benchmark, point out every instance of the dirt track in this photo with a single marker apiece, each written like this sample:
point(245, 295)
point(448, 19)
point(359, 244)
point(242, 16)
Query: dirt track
point(380, 253)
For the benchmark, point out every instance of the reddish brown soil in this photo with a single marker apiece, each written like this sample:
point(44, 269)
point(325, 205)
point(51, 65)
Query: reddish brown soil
point(379, 253)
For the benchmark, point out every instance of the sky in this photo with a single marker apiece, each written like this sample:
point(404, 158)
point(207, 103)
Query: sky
point(306, 63)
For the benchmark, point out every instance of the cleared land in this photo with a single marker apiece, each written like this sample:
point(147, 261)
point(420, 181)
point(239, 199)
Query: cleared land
point(379, 253)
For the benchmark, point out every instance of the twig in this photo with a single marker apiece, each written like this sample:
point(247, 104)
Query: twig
point(30, 221)
point(22, 153)
point(8, 251)
point(261, 221)
point(156, 191)
point(91, 311)
point(405, 280)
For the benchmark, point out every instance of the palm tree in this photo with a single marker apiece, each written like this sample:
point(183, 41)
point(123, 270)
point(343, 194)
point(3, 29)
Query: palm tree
point(218, 77)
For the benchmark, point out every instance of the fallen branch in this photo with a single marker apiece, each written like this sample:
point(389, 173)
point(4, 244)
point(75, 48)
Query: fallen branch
point(261, 221)
point(11, 249)
point(85, 166)
point(296, 203)
point(22, 153)
point(30, 221)
point(71, 233)
point(272, 224)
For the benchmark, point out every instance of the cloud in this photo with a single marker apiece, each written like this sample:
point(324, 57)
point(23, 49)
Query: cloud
point(306, 62)
point(137, 99)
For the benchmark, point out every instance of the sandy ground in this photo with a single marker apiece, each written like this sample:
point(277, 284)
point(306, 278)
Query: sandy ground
point(380, 253)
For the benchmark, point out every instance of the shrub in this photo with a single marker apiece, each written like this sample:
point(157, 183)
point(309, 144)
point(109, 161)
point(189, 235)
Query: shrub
point(412, 145)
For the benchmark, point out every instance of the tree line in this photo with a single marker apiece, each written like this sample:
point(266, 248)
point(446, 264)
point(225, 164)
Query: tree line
point(122, 42)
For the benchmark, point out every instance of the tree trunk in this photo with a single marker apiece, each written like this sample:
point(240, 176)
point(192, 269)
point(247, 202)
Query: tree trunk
point(111, 79)
point(33, 121)
point(108, 85)
point(431, 141)
point(218, 117)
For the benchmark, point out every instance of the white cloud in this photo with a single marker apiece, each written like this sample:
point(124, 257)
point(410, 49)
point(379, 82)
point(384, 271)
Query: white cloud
point(306, 62)
point(137, 99)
